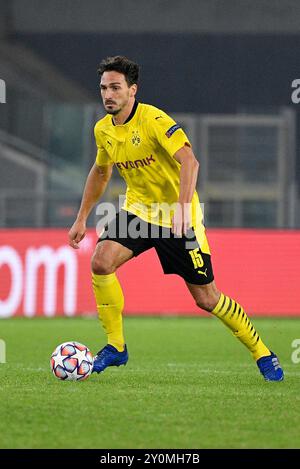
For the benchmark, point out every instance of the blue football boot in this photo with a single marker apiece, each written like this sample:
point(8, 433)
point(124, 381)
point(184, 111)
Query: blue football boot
point(270, 368)
point(109, 356)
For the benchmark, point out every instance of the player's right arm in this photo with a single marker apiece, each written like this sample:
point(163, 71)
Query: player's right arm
point(95, 186)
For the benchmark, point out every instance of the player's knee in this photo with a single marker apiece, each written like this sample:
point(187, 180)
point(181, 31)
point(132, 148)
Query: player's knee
point(101, 266)
point(205, 304)
point(208, 302)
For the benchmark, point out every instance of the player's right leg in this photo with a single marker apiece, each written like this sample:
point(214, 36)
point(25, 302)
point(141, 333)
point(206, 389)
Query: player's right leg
point(107, 257)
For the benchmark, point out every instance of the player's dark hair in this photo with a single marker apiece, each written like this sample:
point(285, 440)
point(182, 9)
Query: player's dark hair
point(120, 64)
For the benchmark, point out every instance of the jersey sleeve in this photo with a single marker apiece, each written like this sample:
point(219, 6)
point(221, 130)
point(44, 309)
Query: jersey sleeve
point(167, 132)
point(102, 157)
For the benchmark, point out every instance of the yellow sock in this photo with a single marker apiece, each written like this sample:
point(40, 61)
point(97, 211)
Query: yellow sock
point(234, 317)
point(110, 303)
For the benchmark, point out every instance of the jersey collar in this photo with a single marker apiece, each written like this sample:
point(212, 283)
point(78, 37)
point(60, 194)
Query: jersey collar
point(133, 111)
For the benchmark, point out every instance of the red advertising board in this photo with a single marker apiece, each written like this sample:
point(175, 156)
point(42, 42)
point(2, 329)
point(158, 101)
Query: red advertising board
point(41, 275)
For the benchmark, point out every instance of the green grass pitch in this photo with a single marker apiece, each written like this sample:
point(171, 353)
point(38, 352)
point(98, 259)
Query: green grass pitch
point(188, 384)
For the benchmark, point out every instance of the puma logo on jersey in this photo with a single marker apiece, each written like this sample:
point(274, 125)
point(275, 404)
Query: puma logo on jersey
point(203, 273)
point(158, 117)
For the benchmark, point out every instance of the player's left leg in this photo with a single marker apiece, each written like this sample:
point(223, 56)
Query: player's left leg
point(208, 297)
point(190, 258)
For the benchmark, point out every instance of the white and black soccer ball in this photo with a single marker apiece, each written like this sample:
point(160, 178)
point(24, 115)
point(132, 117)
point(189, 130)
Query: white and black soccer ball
point(71, 361)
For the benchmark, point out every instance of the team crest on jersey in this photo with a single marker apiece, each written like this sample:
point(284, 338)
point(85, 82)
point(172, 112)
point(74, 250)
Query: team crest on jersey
point(136, 139)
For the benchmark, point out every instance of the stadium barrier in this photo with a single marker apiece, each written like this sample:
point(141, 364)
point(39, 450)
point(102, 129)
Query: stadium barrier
point(40, 275)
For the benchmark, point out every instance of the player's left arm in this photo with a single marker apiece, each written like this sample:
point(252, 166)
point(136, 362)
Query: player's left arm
point(189, 168)
point(172, 138)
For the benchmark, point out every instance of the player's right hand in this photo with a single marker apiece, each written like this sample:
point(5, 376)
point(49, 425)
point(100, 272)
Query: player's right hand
point(77, 233)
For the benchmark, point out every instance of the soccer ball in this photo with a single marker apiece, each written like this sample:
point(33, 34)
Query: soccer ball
point(71, 361)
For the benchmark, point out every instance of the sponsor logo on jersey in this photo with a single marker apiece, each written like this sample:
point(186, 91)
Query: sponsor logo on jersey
point(172, 129)
point(136, 163)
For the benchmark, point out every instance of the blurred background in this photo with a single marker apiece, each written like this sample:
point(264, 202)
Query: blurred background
point(223, 69)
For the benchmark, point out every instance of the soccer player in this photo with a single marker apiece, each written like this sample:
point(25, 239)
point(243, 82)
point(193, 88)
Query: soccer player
point(154, 156)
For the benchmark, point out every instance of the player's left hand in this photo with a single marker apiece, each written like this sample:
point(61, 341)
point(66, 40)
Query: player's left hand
point(181, 220)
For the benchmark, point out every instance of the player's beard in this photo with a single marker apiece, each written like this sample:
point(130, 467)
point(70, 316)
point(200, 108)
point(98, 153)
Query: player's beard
point(116, 111)
point(113, 112)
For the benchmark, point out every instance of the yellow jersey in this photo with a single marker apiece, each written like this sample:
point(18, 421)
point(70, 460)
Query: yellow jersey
point(143, 150)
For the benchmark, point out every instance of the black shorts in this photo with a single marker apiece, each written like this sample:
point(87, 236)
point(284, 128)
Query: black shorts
point(181, 256)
